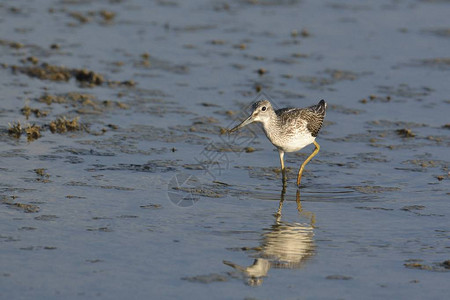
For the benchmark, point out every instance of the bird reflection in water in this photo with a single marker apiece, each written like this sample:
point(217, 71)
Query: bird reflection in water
point(284, 245)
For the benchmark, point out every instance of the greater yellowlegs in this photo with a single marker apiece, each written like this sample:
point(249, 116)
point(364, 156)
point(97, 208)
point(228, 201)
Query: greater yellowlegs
point(288, 129)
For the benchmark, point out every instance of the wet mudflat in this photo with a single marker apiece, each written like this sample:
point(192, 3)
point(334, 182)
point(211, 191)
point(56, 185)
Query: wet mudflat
point(118, 178)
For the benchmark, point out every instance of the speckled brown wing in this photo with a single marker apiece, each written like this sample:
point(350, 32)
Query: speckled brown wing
point(309, 118)
point(289, 120)
point(314, 116)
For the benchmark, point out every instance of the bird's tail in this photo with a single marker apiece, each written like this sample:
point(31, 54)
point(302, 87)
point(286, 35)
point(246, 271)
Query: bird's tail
point(320, 108)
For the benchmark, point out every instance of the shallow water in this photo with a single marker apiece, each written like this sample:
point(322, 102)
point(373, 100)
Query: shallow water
point(148, 200)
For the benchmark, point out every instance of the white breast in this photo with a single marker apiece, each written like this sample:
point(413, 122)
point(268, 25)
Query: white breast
point(297, 142)
point(290, 139)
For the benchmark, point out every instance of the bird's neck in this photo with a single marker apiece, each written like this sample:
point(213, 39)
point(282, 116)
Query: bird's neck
point(271, 124)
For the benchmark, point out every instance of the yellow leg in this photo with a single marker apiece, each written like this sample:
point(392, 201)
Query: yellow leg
point(283, 170)
point(300, 172)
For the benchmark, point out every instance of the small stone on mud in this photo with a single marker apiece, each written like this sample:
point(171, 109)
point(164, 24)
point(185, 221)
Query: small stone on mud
point(75, 197)
point(129, 83)
point(79, 17)
point(419, 266)
point(126, 83)
point(41, 172)
point(338, 277)
point(15, 130)
point(206, 278)
point(107, 15)
point(446, 264)
point(46, 218)
point(305, 33)
point(405, 133)
point(261, 71)
point(207, 104)
point(151, 206)
point(122, 105)
point(33, 132)
point(27, 208)
point(62, 125)
point(436, 267)
point(49, 99)
point(16, 45)
point(27, 111)
point(413, 207)
point(46, 71)
point(88, 76)
point(218, 42)
point(249, 149)
point(34, 60)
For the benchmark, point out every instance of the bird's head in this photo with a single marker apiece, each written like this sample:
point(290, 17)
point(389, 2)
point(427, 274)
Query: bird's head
point(261, 112)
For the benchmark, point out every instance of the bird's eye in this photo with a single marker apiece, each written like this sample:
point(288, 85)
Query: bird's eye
point(263, 108)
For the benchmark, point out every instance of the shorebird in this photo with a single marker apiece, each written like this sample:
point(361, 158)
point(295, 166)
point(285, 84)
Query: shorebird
point(288, 129)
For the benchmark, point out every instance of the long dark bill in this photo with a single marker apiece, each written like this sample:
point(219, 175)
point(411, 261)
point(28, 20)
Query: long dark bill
point(244, 123)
